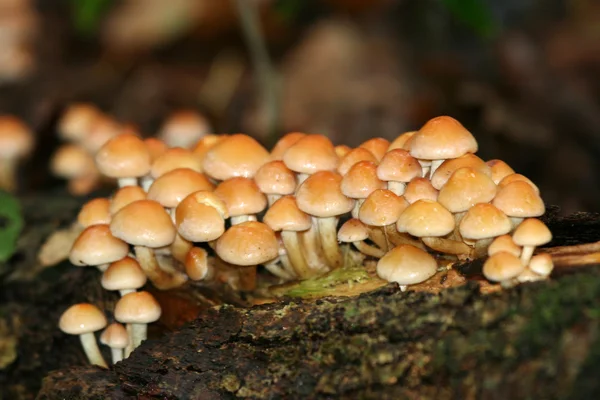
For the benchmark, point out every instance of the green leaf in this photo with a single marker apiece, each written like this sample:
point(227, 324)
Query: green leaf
point(11, 223)
point(87, 14)
point(475, 14)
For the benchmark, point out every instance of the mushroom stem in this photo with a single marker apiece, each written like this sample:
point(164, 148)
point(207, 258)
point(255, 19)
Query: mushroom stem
point(447, 246)
point(294, 252)
point(90, 347)
point(180, 247)
point(278, 270)
point(146, 182)
point(368, 250)
point(355, 210)
point(117, 354)
point(122, 182)
point(8, 174)
point(398, 238)
point(161, 279)
point(397, 188)
point(138, 334)
point(129, 348)
point(238, 219)
point(328, 234)
point(313, 254)
point(376, 235)
point(526, 254)
point(123, 292)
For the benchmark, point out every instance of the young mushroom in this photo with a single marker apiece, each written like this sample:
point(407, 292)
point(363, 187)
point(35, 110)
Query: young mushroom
point(355, 232)
point(16, 142)
point(96, 246)
point(137, 310)
point(529, 234)
point(481, 224)
point(236, 156)
point(125, 158)
point(83, 320)
point(197, 266)
point(124, 275)
point(406, 265)
point(275, 180)
point(310, 154)
point(115, 336)
point(503, 267)
point(242, 197)
point(398, 168)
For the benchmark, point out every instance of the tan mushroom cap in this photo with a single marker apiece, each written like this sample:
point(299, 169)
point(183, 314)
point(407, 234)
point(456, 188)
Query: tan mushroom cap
point(502, 266)
point(286, 141)
point(442, 138)
point(16, 139)
point(238, 155)
point(103, 129)
point(200, 217)
point(447, 168)
point(402, 141)
point(377, 146)
point(247, 244)
point(499, 170)
point(124, 156)
point(156, 148)
point(382, 207)
point(196, 264)
point(97, 246)
point(143, 223)
point(183, 128)
point(82, 318)
point(504, 243)
point(137, 308)
point(420, 188)
point(124, 196)
point(175, 158)
point(206, 143)
point(321, 195)
point(275, 178)
point(353, 230)
point(284, 215)
point(77, 121)
point(406, 265)
point(519, 199)
point(311, 154)
point(484, 221)
point(72, 161)
point(425, 218)
point(342, 150)
point(124, 274)
point(95, 211)
point(532, 232)
point(354, 156)
point(361, 180)
point(465, 188)
point(517, 177)
point(115, 336)
point(399, 166)
point(541, 264)
point(241, 196)
point(171, 188)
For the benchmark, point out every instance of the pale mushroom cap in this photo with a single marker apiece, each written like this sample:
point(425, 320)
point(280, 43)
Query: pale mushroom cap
point(504, 243)
point(353, 230)
point(238, 155)
point(184, 128)
point(275, 178)
point(175, 158)
point(442, 138)
point(517, 177)
point(143, 223)
point(200, 217)
point(382, 208)
point(465, 188)
point(399, 166)
point(156, 148)
point(242, 196)
point(401, 141)
point(95, 211)
point(285, 143)
point(320, 195)
point(378, 146)
point(16, 139)
point(284, 215)
point(123, 274)
point(196, 264)
point(361, 180)
point(484, 221)
point(72, 161)
point(171, 188)
point(420, 188)
point(499, 170)
point(532, 232)
point(124, 156)
point(519, 199)
point(76, 122)
point(541, 264)
point(445, 171)
point(115, 336)
point(310, 154)
point(124, 196)
point(137, 308)
point(406, 265)
point(82, 318)
point(426, 218)
point(502, 266)
point(97, 246)
point(249, 243)
point(354, 156)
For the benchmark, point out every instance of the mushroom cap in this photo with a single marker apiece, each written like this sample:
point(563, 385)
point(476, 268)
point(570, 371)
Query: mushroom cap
point(115, 336)
point(425, 218)
point(72, 161)
point(448, 167)
point(541, 264)
point(402, 141)
point(532, 232)
point(354, 156)
point(353, 230)
point(465, 188)
point(123, 275)
point(124, 156)
point(310, 154)
point(284, 215)
point(137, 308)
point(286, 141)
point(502, 266)
point(406, 265)
point(175, 158)
point(504, 243)
point(143, 223)
point(442, 138)
point(200, 217)
point(519, 199)
point(247, 244)
point(517, 177)
point(156, 148)
point(420, 188)
point(196, 264)
point(95, 211)
point(399, 166)
point(169, 189)
point(499, 170)
point(16, 139)
point(184, 128)
point(341, 150)
point(382, 207)
point(102, 130)
point(484, 221)
point(77, 121)
point(275, 178)
point(378, 146)
point(82, 318)
point(97, 246)
point(206, 143)
point(241, 196)
point(321, 195)
point(124, 196)
point(238, 155)
point(361, 180)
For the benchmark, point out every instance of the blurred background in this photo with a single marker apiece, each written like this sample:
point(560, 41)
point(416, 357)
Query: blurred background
point(522, 75)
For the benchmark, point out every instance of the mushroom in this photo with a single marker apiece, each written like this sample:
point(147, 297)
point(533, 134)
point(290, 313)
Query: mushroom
point(197, 266)
point(448, 167)
point(310, 154)
point(124, 196)
point(355, 232)
point(402, 141)
point(74, 163)
point(94, 212)
point(354, 156)
point(503, 267)
point(200, 217)
point(499, 170)
point(541, 264)
point(242, 197)
point(420, 188)
point(341, 150)
point(115, 336)
point(531, 233)
point(517, 177)
point(172, 159)
point(481, 224)
point(77, 122)
point(397, 168)
point(359, 182)
point(377, 146)
point(406, 265)
point(137, 310)
point(156, 148)
point(275, 180)
point(124, 157)
point(238, 155)
point(101, 131)
point(124, 275)
point(206, 143)
point(285, 143)
point(96, 246)
point(504, 243)
point(519, 200)
point(184, 128)
point(83, 320)
point(16, 142)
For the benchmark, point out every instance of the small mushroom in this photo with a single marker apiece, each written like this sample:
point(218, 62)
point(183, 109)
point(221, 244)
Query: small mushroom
point(124, 275)
point(275, 180)
point(115, 336)
point(83, 320)
point(529, 234)
point(125, 158)
point(16, 142)
point(355, 232)
point(137, 310)
point(96, 246)
point(503, 267)
point(406, 265)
